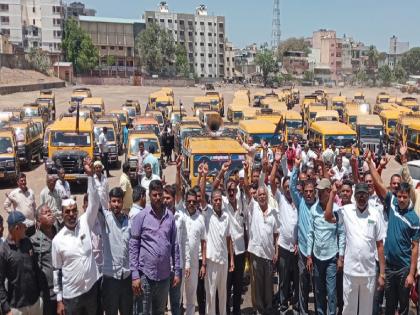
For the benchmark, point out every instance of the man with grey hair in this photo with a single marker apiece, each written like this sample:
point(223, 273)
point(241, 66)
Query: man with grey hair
point(50, 197)
point(42, 243)
point(62, 186)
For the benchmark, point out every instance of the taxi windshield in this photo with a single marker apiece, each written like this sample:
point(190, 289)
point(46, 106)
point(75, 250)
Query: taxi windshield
point(148, 143)
point(31, 112)
point(340, 140)
point(294, 124)
point(6, 145)
point(110, 134)
point(70, 139)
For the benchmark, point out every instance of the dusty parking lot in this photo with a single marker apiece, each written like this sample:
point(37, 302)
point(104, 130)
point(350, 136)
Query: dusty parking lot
point(114, 96)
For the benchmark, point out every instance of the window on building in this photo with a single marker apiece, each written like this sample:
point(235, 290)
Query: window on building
point(202, 44)
point(170, 21)
point(150, 20)
point(202, 65)
point(33, 21)
point(33, 9)
point(210, 55)
point(162, 21)
point(210, 65)
point(210, 34)
point(221, 25)
point(190, 34)
point(4, 7)
point(120, 48)
point(202, 75)
point(202, 55)
point(112, 47)
point(181, 33)
point(209, 44)
point(4, 20)
point(227, 59)
point(35, 44)
point(5, 31)
point(103, 47)
point(332, 54)
point(202, 33)
point(181, 22)
point(201, 23)
point(129, 50)
point(190, 23)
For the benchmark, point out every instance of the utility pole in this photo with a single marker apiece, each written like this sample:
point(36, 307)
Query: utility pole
point(276, 31)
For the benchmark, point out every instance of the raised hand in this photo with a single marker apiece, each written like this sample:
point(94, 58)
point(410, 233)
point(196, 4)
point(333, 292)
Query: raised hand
point(205, 169)
point(179, 160)
point(403, 149)
point(88, 166)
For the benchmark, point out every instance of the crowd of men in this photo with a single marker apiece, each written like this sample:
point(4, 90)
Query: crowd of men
point(314, 219)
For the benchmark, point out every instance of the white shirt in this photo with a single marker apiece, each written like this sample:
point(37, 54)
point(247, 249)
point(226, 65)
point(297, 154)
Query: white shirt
point(237, 221)
point(339, 174)
point(182, 239)
point(346, 164)
point(24, 201)
point(72, 253)
point(363, 230)
point(63, 189)
point(196, 229)
point(329, 155)
point(140, 159)
point(103, 143)
point(145, 182)
point(102, 186)
point(307, 158)
point(288, 219)
point(217, 229)
point(261, 231)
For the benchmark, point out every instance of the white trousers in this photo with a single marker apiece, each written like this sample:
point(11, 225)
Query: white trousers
point(190, 291)
point(215, 281)
point(358, 292)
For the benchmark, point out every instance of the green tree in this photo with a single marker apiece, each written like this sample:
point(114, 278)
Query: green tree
point(411, 61)
point(156, 49)
point(181, 61)
point(267, 63)
point(385, 75)
point(372, 63)
point(361, 76)
point(308, 75)
point(400, 74)
point(78, 47)
point(110, 61)
point(39, 60)
point(293, 44)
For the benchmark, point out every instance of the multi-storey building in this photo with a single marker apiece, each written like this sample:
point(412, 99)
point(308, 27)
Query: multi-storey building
point(396, 50)
point(245, 62)
point(203, 36)
point(113, 37)
point(76, 9)
point(229, 61)
point(33, 23)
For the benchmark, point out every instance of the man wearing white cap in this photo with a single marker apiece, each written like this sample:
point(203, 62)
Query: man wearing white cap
point(101, 184)
point(75, 269)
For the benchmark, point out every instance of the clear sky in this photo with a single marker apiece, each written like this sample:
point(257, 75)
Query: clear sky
point(248, 21)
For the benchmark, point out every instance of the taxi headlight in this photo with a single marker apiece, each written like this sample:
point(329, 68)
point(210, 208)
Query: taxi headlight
point(10, 163)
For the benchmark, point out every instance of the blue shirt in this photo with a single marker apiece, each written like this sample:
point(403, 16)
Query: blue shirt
point(304, 213)
point(325, 239)
point(154, 162)
point(125, 135)
point(403, 228)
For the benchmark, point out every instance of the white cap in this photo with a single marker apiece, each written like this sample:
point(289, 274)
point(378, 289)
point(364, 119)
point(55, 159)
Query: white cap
point(68, 202)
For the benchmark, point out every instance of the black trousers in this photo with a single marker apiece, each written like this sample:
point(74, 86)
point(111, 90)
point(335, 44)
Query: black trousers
point(287, 267)
point(104, 161)
point(201, 292)
point(396, 294)
point(84, 304)
point(117, 296)
point(235, 281)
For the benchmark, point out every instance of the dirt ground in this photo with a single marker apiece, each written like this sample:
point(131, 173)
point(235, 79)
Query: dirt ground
point(114, 96)
point(17, 76)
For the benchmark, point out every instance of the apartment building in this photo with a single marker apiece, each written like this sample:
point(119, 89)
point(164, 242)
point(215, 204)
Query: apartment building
point(76, 9)
point(33, 23)
point(203, 36)
point(229, 61)
point(113, 37)
point(396, 50)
